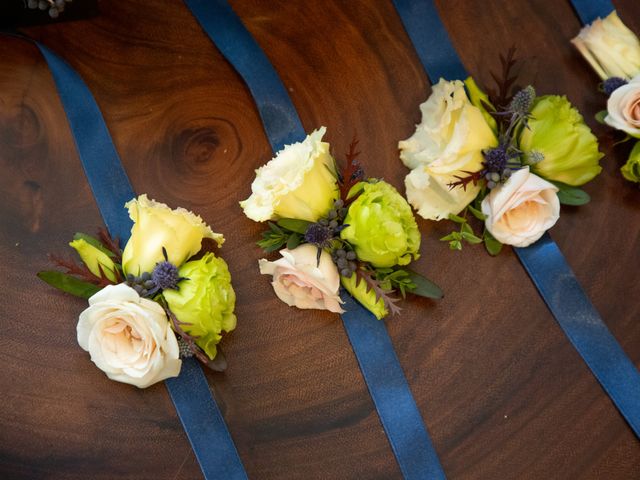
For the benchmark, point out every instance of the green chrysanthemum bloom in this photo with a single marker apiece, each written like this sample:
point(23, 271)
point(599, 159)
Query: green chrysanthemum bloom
point(381, 226)
point(558, 132)
point(358, 290)
point(631, 169)
point(205, 300)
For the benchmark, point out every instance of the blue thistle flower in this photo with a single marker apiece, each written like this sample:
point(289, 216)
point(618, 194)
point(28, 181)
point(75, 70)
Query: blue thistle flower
point(165, 275)
point(611, 84)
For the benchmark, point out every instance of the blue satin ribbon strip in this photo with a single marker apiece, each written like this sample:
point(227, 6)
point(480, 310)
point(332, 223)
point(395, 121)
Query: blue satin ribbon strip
point(543, 260)
point(430, 40)
point(583, 326)
point(111, 188)
point(222, 25)
point(589, 10)
point(369, 338)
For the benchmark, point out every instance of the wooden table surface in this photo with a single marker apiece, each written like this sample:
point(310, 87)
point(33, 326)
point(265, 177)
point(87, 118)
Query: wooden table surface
point(503, 393)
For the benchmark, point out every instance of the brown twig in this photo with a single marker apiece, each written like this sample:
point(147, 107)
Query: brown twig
point(381, 293)
point(351, 173)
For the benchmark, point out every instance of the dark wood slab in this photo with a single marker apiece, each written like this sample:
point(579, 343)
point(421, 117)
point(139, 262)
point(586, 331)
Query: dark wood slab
point(502, 391)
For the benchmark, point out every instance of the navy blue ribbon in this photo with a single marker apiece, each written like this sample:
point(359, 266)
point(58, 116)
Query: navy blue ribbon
point(111, 188)
point(589, 10)
point(279, 116)
point(543, 260)
point(369, 338)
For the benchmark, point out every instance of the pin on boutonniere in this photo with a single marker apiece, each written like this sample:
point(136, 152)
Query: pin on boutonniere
point(161, 298)
point(613, 51)
point(338, 227)
point(507, 159)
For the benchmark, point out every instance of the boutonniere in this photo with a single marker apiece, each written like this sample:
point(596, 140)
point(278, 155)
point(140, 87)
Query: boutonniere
point(614, 53)
point(338, 227)
point(161, 298)
point(509, 159)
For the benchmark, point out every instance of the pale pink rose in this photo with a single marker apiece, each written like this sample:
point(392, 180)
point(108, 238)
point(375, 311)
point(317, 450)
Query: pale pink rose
point(623, 108)
point(129, 338)
point(522, 209)
point(299, 281)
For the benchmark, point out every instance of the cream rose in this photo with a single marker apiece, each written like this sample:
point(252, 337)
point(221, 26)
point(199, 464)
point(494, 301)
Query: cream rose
point(610, 47)
point(623, 108)
point(299, 281)
point(128, 337)
point(447, 142)
point(156, 226)
point(522, 209)
point(300, 182)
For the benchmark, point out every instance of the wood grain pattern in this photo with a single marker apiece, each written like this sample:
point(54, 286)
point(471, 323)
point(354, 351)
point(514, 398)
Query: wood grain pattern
point(503, 393)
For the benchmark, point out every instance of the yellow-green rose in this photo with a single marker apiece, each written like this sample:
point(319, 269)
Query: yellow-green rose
point(448, 141)
point(610, 47)
point(558, 132)
point(204, 301)
point(300, 182)
point(94, 258)
point(155, 226)
point(631, 169)
point(359, 289)
point(381, 226)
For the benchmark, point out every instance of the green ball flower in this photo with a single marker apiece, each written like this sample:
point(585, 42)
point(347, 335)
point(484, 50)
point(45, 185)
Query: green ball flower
point(205, 300)
point(358, 290)
point(381, 226)
point(631, 169)
point(558, 132)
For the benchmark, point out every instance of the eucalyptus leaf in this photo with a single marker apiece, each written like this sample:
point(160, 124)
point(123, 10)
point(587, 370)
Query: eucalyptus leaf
point(68, 284)
point(424, 287)
point(600, 116)
point(492, 245)
point(94, 242)
point(569, 195)
point(294, 225)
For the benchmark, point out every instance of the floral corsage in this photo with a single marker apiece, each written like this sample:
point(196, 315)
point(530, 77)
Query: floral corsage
point(163, 297)
point(507, 159)
point(338, 228)
point(614, 53)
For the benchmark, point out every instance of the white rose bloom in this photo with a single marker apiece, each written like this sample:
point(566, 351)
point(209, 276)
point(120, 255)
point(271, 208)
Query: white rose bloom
point(300, 182)
point(128, 337)
point(448, 142)
point(610, 47)
point(299, 281)
point(623, 108)
point(522, 209)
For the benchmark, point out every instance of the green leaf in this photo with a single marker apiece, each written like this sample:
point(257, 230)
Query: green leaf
point(423, 286)
point(466, 228)
point(94, 242)
point(455, 245)
point(68, 284)
point(600, 116)
point(294, 241)
point(477, 213)
point(569, 195)
point(294, 225)
point(451, 236)
point(275, 228)
point(457, 219)
point(471, 238)
point(492, 245)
